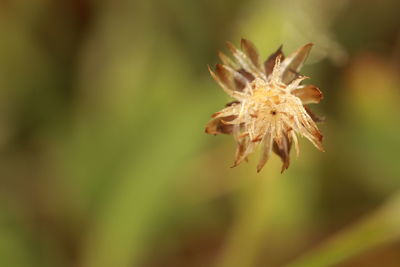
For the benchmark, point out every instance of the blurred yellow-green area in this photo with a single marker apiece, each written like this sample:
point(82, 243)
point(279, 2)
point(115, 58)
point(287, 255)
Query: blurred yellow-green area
point(103, 157)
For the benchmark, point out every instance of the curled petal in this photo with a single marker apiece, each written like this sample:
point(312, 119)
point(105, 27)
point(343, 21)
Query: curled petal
point(293, 63)
point(308, 94)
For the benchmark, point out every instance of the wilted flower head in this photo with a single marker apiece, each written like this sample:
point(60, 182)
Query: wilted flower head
point(269, 103)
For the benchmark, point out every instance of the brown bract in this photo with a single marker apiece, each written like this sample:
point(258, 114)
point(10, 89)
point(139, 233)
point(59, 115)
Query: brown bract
point(268, 109)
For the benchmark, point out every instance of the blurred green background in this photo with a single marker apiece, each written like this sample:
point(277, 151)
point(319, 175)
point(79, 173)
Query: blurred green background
point(103, 157)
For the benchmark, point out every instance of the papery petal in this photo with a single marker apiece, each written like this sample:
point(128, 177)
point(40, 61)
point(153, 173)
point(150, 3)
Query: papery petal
point(242, 144)
point(314, 136)
point(266, 151)
point(227, 61)
point(239, 83)
point(308, 94)
point(293, 137)
point(275, 76)
point(295, 83)
point(237, 79)
point(232, 109)
point(224, 76)
point(216, 126)
point(229, 91)
point(232, 103)
point(293, 63)
point(244, 61)
point(282, 148)
point(246, 74)
point(314, 116)
point(245, 148)
point(250, 50)
point(270, 62)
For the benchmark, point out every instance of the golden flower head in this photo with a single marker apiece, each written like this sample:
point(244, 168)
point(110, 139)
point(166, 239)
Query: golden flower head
point(269, 103)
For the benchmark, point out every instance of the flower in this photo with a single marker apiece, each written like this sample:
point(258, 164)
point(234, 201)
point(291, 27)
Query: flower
point(269, 107)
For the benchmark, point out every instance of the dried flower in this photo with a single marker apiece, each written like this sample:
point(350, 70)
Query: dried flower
point(269, 103)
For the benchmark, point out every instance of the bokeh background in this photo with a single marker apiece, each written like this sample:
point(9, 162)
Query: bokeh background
point(103, 157)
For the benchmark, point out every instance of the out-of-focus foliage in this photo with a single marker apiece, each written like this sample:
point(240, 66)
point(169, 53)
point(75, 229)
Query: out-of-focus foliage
point(104, 160)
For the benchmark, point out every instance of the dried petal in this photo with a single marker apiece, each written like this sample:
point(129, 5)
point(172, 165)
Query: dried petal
point(295, 83)
point(227, 61)
point(244, 61)
point(266, 151)
point(227, 90)
point(238, 77)
point(270, 62)
point(314, 116)
point(240, 150)
point(247, 75)
point(216, 126)
point(308, 94)
point(246, 147)
point(232, 103)
point(250, 50)
point(224, 76)
point(282, 148)
point(293, 63)
point(227, 111)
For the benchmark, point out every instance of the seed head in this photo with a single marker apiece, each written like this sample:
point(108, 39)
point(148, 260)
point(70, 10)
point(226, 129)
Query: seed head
point(269, 103)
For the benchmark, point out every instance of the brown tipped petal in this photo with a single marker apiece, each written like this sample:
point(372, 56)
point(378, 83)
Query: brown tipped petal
point(266, 152)
point(227, 111)
point(232, 103)
point(282, 149)
point(240, 151)
point(227, 61)
point(217, 126)
point(229, 91)
point(246, 74)
point(244, 61)
point(240, 84)
point(224, 76)
point(314, 117)
point(250, 50)
point(315, 138)
point(240, 77)
point(308, 94)
point(294, 62)
point(270, 62)
point(246, 147)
